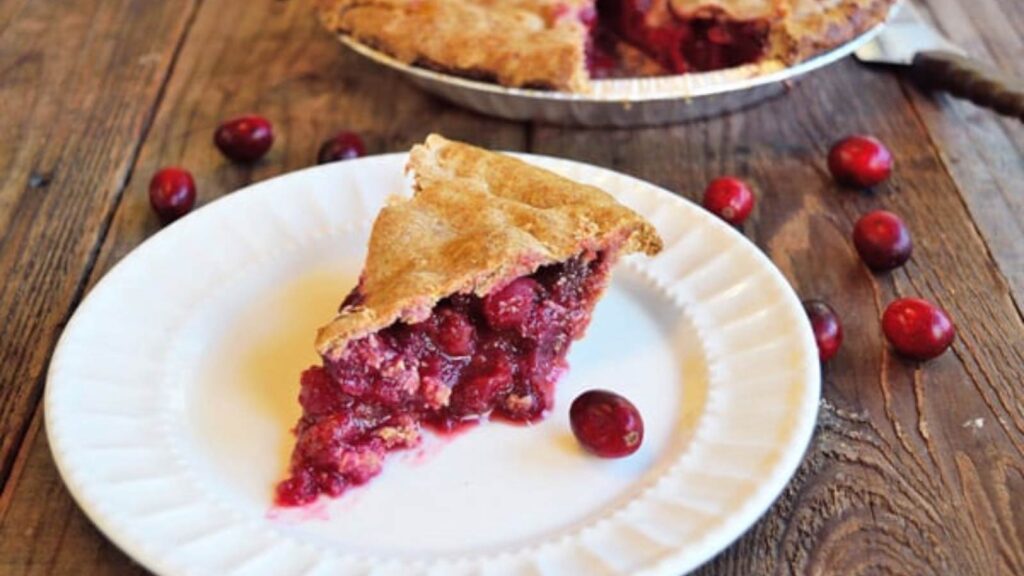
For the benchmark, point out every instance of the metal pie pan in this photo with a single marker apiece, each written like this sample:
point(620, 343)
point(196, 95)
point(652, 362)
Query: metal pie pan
point(622, 102)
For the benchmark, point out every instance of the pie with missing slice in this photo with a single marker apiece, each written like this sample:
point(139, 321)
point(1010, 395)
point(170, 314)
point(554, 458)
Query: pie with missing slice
point(472, 292)
point(562, 44)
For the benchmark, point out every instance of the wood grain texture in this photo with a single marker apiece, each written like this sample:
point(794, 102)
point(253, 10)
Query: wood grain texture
point(914, 469)
point(300, 78)
point(981, 150)
point(77, 90)
point(310, 87)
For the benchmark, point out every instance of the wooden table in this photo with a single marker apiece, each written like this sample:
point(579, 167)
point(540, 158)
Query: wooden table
point(914, 469)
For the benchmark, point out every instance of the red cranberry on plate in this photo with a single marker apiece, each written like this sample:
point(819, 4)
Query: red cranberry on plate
point(172, 193)
point(860, 161)
point(606, 424)
point(343, 146)
point(244, 139)
point(828, 331)
point(731, 199)
point(917, 329)
point(882, 240)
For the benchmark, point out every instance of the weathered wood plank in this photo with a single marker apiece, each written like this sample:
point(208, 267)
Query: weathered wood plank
point(309, 86)
point(914, 468)
point(982, 151)
point(301, 79)
point(77, 91)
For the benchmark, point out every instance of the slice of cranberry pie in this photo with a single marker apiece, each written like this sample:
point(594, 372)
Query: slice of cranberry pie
point(562, 44)
point(472, 293)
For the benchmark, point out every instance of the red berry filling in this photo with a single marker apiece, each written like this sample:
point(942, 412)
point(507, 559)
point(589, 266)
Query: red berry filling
point(681, 44)
point(500, 354)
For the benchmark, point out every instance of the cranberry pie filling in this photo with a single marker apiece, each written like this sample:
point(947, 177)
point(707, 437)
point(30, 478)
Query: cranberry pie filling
point(707, 40)
point(564, 44)
point(499, 354)
point(472, 292)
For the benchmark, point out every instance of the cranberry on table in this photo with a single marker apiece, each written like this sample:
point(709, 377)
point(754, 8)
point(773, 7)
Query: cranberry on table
point(731, 199)
point(828, 331)
point(172, 193)
point(244, 139)
point(860, 161)
point(917, 329)
point(606, 424)
point(882, 240)
point(342, 146)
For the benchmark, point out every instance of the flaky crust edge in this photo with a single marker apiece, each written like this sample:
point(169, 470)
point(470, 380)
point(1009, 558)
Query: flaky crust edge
point(798, 38)
point(554, 219)
point(553, 59)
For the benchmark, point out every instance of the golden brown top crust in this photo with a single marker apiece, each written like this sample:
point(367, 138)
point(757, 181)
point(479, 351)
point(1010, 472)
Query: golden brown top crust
point(815, 26)
point(735, 9)
point(476, 221)
point(542, 43)
point(800, 28)
point(520, 43)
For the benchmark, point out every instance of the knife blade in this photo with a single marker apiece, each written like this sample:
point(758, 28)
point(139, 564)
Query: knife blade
point(938, 64)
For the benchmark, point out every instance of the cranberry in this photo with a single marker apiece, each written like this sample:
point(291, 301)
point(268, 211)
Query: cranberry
point(606, 424)
point(244, 139)
point(882, 240)
point(730, 199)
point(455, 333)
point(319, 394)
point(510, 307)
point(343, 146)
point(918, 329)
point(299, 490)
point(322, 443)
point(489, 376)
point(860, 161)
point(828, 331)
point(172, 193)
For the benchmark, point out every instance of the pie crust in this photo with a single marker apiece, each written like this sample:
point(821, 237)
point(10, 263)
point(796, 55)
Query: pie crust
point(477, 219)
point(545, 44)
point(472, 293)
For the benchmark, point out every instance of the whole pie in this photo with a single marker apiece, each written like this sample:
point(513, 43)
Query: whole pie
point(472, 292)
point(562, 44)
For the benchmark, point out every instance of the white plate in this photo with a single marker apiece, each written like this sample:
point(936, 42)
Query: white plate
point(172, 391)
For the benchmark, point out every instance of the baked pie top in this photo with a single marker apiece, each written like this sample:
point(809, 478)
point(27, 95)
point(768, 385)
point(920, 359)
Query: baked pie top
point(472, 294)
point(477, 220)
point(548, 44)
point(539, 43)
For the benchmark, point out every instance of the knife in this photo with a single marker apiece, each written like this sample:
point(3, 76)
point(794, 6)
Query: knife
point(938, 64)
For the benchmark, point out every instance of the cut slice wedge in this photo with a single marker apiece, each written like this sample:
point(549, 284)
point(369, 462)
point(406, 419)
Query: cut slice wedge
point(472, 293)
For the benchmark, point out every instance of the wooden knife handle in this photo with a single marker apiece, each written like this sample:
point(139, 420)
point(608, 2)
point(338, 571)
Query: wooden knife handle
point(964, 78)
